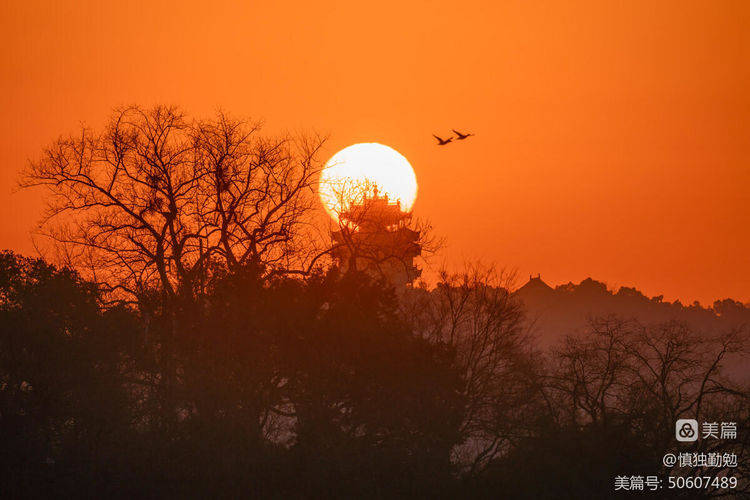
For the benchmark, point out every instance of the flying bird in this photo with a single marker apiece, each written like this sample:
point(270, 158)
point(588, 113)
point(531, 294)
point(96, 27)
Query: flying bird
point(442, 142)
point(461, 136)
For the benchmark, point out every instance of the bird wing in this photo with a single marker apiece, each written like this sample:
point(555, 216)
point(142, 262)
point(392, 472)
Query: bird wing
point(458, 133)
point(436, 137)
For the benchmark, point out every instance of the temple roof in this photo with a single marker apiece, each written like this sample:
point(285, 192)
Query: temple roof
point(534, 284)
point(379, 211)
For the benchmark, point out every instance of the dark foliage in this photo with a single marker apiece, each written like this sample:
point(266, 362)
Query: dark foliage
point(276, 388)
point(324, 387)
point(64, 406)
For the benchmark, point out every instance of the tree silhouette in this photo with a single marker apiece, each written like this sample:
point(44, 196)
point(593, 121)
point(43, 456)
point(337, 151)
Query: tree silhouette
point(149, 202)
point(368, 389)
point(613, 395)
point(475, 313)
point(64, 405)
point(214, 344)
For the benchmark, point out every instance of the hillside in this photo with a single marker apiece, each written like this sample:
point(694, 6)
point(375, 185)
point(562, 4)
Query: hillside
point(555, 312)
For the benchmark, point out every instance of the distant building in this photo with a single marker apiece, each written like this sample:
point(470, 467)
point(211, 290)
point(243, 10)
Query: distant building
point(552, 313)
point(535, 285)
point(373, 237)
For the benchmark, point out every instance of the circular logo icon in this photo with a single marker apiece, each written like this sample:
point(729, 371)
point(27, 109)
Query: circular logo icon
point(686, 430)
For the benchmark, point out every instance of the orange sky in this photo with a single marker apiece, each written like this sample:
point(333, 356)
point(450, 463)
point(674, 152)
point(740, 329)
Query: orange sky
point(613, 138)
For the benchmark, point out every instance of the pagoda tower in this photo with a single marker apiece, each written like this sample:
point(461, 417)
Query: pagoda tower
point(374, 237)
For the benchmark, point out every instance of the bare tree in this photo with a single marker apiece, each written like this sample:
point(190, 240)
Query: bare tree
point(476, 314)
point(620, 365)
point(157, 199)
point(592, 373)
point(643, 378)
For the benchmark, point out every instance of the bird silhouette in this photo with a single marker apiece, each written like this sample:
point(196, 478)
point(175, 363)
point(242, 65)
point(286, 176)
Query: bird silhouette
point(461, 136)
point(442, 142)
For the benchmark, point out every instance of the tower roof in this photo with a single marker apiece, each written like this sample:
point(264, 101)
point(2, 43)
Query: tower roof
point(377, 211)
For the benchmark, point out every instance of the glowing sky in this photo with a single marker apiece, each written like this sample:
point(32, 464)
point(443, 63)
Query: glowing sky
point(612, 139)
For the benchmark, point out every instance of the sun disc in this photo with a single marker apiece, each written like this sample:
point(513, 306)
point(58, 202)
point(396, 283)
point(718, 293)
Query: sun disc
point(365, 170)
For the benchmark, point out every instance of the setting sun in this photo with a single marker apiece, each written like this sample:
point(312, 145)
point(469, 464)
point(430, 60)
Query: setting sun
point(362, 169)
